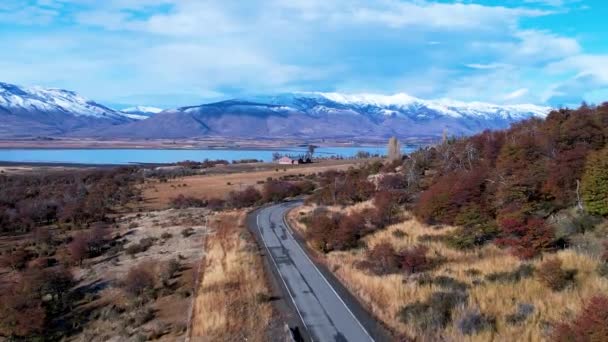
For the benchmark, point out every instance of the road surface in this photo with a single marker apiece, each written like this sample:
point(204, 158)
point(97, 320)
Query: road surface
point(325, 315)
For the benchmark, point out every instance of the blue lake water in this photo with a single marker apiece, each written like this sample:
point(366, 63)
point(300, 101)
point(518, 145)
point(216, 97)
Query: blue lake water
point(129, 156)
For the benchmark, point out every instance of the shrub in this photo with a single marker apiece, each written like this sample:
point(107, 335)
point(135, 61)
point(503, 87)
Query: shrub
point(383, 259)
point(521, 272)
point(15, 259)
point(166, 235)
point(526, 237)
point(187, 232)
point(434, 313)
point(553, 276)
point(139, 280)
point(386, 209)
point(445, 282)
point(183, 202)
point(167, 271)
point(414, 260)
point(591, 324)
point(246, 198)
point(602, 269)
point(140, 247)
point(399, 234)
point(524, 310)
point(78, 248)
point(473, 322)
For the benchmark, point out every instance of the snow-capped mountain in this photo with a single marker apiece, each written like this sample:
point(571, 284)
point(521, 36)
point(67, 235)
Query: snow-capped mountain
point(35, 111)
point(404, 105)
point(26, 111)
point(329, 115)
point(140, 112)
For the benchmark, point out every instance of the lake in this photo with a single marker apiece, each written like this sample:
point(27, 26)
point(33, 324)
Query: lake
point(161, 156)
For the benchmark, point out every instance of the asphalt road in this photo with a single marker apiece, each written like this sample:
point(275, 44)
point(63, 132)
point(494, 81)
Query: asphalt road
point(324, 313)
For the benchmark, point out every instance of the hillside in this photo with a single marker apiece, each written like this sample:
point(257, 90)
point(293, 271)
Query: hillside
point(36, 111)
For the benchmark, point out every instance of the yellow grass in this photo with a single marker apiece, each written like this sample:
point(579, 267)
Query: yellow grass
point(158, 195)
point(226, 307)
point(386, 295)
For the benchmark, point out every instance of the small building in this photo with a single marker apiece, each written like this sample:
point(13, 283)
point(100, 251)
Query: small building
point(287, 161)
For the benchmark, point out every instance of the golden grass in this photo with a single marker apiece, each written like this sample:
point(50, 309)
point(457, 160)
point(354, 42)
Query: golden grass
point(157, 195)
point(386, 295)
point(227, 307)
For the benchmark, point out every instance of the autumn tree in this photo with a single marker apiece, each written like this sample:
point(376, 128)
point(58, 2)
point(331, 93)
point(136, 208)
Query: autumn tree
point(595, 183)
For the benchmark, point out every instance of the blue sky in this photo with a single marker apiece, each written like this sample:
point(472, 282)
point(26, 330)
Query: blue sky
point(182, 52)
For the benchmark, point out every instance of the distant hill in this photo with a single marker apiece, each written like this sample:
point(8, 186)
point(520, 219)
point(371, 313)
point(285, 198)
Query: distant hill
point(35, 111)
point(52, 112)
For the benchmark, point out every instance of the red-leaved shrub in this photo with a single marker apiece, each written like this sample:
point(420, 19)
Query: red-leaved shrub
point(526, 238)
point(414, 259)
point(591, 324)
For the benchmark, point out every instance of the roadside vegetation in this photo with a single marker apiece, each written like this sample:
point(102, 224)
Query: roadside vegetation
point(233, 300)
point(497, 235)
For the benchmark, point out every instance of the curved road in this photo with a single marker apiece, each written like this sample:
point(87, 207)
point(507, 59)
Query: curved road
point(324, 314)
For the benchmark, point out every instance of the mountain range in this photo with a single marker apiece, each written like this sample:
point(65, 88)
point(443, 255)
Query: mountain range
point(35, 111)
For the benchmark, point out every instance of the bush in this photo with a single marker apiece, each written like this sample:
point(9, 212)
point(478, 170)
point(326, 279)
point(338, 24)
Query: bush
point(139, 280)
point(414, 260)
point(143, 245)
point(521, 272)
point(167, 271)
point(472, 236)
point(183, 202)
point(187, 232)
point(526, 237)
point(591, 324)
point(399, 234)
point(383, 259)
point(602, 269)
point(166, 235)
point(246, 198)
point(434, 313)
point(445, 282)
point(473, 322)
point(551, 274)
point(524, 310)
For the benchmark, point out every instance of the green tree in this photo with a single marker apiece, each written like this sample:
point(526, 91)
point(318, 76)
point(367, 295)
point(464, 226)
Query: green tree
point(595, 183)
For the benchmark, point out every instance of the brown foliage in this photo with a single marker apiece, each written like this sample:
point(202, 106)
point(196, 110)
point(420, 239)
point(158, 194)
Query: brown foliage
point(245, 198)
point(526, 237)
point(414, 260)
point(140, 279)
point(554, 276)
point(383, 259)
point(591, 325)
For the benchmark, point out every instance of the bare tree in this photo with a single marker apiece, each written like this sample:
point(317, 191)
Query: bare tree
point(394, 149)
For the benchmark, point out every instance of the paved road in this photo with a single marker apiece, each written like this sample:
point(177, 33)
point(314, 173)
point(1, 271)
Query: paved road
point(324, 314)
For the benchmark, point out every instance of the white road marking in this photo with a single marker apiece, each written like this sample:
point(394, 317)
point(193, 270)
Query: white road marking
point(257, 219)
point(327, 282)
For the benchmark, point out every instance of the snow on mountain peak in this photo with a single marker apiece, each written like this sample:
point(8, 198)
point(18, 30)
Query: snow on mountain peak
point(142, 110)
point(50, 100)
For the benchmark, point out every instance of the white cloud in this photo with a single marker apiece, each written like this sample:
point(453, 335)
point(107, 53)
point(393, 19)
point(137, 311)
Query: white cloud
point(119, 49)
point(515, 95)
point(486, 66)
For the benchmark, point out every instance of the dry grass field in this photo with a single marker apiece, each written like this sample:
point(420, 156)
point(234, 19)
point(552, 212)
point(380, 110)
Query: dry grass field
point(386, 295)
point(233, 298)
point(221, 180)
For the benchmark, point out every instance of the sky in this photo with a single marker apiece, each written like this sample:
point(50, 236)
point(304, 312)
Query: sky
point(171, 53)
